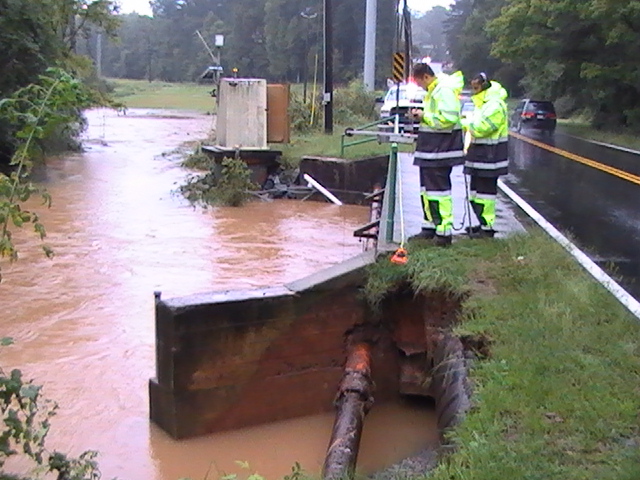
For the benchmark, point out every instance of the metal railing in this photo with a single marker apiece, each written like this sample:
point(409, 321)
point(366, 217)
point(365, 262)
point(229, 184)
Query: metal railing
point(394, 138)
point(344, 145)
point(391, 189)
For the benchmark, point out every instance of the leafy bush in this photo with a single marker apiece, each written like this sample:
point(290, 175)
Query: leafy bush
point(300, 114)
point(198, 159)
point(235, 182)
point(566, 106)
point(227, 186)
point(354, 105)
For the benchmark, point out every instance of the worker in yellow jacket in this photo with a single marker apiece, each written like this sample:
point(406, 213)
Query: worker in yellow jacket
point(439, 148)
point(488, 151)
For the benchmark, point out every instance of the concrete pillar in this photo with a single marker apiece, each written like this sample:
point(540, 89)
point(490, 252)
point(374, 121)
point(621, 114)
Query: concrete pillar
point(242, 113)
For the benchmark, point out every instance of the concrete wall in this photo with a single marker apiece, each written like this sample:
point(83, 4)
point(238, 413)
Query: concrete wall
point(242, 113)
point(348, 180)
point(232, 359)
point(227, 360)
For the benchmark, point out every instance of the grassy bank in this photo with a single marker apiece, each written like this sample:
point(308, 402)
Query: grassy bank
point(559, 397)
point(173, 96)
point(318, 143)
point(621, 137)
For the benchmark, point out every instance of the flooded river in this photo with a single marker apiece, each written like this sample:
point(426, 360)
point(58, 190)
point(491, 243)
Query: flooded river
point(84, 322)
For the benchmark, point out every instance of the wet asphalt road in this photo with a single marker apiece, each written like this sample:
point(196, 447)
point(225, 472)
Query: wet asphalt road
point(600, 211)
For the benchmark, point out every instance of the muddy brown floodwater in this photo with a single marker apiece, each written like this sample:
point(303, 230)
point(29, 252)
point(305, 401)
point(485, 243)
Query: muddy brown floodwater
point(83, 322)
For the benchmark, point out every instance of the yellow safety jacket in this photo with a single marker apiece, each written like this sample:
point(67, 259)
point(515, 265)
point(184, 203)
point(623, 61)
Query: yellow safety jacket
point(440, 141)
point(488, 154)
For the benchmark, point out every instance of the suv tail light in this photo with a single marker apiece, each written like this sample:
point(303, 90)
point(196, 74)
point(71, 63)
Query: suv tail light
point(528, 115)
point(551, 115)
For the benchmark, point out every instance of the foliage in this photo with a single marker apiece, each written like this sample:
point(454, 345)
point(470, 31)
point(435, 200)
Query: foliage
point(26, 422)
point(354, 105)
point(72, 18)
point(198, 160)
point(557, 398)
point(36, 110)
point(582, 49)
point(297, 473)
point(429, 269)
point(300, 114)
point(227, 185)
point(26, 45)
point(39, 34)
point(429, 34)
point(470, 45)
point(263, 38)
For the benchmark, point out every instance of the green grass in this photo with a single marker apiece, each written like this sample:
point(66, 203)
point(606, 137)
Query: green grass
point(172, 96)
point(621, 137)
point(320, 144)
point(559, 397)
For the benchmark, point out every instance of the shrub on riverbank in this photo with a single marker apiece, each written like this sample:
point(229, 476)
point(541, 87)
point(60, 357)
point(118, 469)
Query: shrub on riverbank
point(230, 185)
point(558, 396)
point(352, 105)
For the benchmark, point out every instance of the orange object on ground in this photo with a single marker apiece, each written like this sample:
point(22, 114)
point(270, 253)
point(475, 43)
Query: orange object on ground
point(399, 257)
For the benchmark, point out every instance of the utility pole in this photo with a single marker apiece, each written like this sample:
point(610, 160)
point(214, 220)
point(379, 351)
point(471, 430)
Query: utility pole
point(370, 45)
point(406, 14)
point(99, 55)
point(309, 14)
point(328, 67)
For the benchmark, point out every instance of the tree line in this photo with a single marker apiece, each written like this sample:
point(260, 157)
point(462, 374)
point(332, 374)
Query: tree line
point(36, 35)
point(580, 53)
point(281, 40)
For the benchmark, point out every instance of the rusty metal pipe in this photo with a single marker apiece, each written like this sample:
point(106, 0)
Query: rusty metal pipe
point(353, 401)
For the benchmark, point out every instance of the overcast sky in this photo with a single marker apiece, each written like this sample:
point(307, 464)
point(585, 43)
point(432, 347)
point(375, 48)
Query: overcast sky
point(142, 6)
point(424, 5)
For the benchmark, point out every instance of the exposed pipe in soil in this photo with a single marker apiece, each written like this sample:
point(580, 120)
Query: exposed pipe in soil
point(353, 401)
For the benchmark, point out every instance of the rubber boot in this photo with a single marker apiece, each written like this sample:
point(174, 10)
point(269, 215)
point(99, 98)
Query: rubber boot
point(441, 240)
point(425, 234)
point(479, 232)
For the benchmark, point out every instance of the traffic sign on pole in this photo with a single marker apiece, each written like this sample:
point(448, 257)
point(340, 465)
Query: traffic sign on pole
point(398, 67)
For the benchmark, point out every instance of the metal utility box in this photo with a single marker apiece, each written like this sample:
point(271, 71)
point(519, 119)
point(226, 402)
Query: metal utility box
point(242, 113)
point(278, 130)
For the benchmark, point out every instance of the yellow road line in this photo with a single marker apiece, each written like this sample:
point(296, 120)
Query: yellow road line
point(572, 156)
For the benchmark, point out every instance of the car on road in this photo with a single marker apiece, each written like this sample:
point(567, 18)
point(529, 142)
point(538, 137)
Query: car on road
point(401, 99)
point(465, 95)
point(467, 109)
point(536, 114)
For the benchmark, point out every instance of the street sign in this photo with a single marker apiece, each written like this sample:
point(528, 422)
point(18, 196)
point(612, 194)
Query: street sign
point(398, 66)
